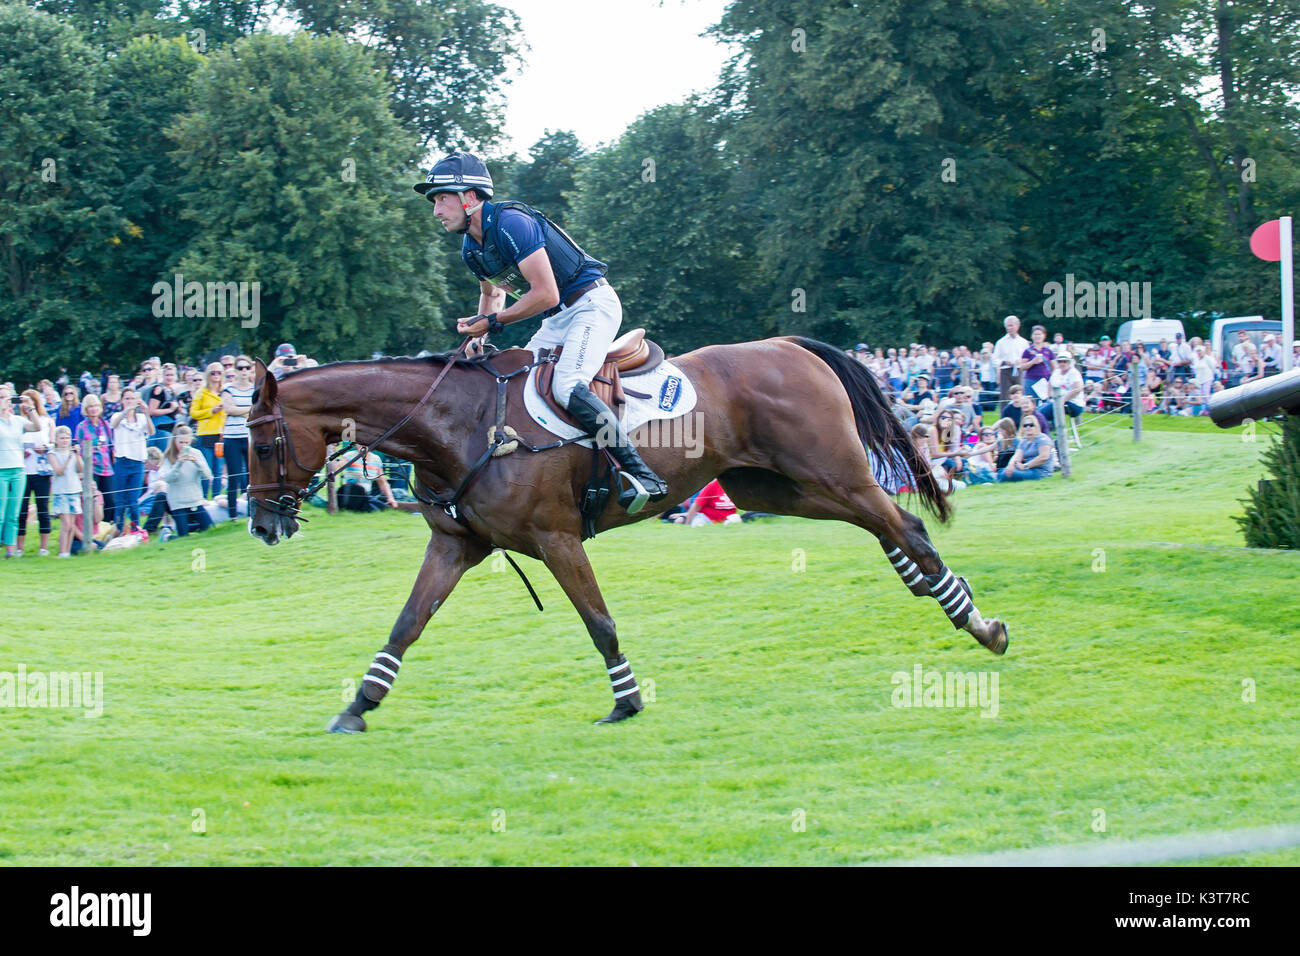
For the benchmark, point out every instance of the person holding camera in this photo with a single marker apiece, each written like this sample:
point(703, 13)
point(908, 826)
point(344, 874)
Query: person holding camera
point(286, 360)
point(184, 470)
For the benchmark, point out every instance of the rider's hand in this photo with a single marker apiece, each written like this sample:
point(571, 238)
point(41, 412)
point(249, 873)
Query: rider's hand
point(473, 325)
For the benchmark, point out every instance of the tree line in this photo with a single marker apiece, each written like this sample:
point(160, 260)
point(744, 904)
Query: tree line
point(885, 171)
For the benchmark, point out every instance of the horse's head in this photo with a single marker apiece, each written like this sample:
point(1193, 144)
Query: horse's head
point(284, 456)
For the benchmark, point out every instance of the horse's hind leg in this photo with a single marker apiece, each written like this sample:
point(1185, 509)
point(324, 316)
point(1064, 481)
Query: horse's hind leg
point(567, 561)
point(446, 558)
point(901, 534)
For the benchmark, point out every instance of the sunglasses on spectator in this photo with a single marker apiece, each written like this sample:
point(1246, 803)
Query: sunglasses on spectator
point(242, 368)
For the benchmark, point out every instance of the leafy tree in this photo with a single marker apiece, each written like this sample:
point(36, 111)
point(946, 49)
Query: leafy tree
point(446, 60)
point(297, 176)
point(1272, 518)
point(56, 217)
point(657, 207)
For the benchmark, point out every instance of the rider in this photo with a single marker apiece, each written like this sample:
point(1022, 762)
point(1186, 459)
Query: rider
point(530, 258)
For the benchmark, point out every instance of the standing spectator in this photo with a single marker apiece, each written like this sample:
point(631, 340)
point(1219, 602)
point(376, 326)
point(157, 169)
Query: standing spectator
point(36, 467)
point(160, 397)
point(1249, 366)
point(286, 360)
point(944, 372)
point(69, 411)
point(237, 402)
point(1033, 457)
point(896, 371)
point(1181, 355)
point(132, 427)
point(191, 383)
point(183, 470)
point(94, 431)
point(13, 479)
point(1203, 369)
point(1036, 363)
point(1059, 345)
point(1007, 353)
point(988, 372)
point(209, 418)
point(50, 396)
point(65, 487)
point(112, 396)
point(861, 353)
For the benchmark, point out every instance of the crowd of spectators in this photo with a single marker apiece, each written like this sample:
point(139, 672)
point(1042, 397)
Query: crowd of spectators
point(169, 444)
point(168, 448)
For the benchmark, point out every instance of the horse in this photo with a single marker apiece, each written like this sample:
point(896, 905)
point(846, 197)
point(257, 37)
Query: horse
point(788, 425)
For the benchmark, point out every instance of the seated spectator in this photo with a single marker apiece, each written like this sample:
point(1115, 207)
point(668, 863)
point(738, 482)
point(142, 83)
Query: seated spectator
point(184, 470)
point(1033, 457)
point(1067, 378)
point(923, 438)
point(358, 478)
point(981, 462)
point(947, 442)
point(711, 506)
point(1006, 433)
point(1022, 404)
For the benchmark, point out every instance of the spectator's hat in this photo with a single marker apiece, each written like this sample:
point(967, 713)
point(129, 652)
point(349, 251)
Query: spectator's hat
point(284, 349)
point(923, 376)
point(1268, 338)
point(860, 347)
point(1065, 357)
point(1178, 335)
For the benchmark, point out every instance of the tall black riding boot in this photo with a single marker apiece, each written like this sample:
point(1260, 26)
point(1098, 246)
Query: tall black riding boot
point(601, 423)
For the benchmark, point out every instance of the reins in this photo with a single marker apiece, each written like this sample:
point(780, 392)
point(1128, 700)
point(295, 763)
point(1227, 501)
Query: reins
point(288, 502)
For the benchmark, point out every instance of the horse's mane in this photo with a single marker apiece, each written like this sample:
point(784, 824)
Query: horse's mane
point(435, 360)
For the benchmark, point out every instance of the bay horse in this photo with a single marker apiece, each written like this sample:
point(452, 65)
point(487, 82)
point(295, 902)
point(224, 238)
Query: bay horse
point(785, 424)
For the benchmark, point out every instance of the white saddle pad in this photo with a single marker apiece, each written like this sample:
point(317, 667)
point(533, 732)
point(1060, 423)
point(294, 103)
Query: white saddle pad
point(671, 395)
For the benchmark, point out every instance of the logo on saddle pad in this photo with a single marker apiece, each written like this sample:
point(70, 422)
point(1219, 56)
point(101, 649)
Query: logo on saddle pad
point(670, 392)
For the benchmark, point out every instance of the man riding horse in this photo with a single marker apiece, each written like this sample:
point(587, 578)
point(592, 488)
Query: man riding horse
point(514, 250)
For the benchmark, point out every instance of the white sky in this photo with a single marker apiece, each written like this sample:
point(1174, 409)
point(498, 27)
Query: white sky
point(596, 65)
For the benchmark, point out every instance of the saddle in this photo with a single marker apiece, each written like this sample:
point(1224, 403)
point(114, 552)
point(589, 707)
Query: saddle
point(629, 355)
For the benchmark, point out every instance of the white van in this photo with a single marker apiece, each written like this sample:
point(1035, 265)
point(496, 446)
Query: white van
point(1148, 331)
point(1223, 335)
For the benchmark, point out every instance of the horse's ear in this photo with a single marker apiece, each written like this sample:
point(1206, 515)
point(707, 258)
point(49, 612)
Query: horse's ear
point(264, 383)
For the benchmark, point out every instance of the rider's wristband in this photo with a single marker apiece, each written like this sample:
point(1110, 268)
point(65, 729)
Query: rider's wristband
point(494, 325)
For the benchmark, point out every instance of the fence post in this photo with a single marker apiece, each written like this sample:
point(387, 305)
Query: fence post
point(88, 523)
point(331, 494)
point(1135, 401)
point(1062, 429)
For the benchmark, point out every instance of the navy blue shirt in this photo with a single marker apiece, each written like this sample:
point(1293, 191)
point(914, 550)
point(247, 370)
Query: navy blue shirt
point(520, 235)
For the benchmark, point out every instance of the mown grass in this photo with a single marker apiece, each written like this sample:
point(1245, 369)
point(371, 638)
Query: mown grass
point(1135, 619)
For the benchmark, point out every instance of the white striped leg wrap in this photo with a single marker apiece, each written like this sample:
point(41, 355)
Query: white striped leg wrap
point(952, 597)
point(907, 569)
point(379, 679)
point(621, 679)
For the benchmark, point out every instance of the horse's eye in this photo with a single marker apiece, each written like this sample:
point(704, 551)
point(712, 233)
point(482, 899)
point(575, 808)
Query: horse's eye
point(263, 451)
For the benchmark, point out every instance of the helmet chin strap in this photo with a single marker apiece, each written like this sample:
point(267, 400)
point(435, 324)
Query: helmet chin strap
point(469, 212)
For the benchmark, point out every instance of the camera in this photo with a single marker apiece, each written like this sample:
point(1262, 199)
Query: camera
point(291, 362)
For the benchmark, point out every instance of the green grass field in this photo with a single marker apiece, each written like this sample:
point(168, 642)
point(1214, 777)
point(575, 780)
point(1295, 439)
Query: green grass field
point(1152, 677)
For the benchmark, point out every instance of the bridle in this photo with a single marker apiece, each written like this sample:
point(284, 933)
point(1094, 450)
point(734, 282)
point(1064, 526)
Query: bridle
point(288, 500)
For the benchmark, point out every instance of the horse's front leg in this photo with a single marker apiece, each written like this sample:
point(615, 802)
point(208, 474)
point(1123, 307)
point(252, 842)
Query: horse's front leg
point(567, 561)
point(445, 559)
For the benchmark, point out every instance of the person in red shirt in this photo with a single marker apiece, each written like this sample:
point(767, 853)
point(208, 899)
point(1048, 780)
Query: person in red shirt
point(711, 506)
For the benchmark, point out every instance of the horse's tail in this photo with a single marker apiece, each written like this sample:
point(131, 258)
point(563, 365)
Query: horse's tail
point(878, 426)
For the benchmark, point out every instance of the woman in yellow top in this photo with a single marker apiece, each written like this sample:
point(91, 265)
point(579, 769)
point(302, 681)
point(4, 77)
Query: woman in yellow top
point(209, 418)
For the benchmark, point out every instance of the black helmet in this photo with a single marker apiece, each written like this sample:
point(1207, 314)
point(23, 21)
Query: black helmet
point(457, 173)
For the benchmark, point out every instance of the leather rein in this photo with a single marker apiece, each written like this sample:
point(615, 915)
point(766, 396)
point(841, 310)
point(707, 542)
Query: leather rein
point(288, 501)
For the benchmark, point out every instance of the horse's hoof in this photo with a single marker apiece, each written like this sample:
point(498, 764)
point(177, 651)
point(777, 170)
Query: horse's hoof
point(620, 712)
point(1000, 639)
point(346, 723)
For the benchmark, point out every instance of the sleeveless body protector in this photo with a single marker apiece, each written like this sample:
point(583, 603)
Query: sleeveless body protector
point(495, 263)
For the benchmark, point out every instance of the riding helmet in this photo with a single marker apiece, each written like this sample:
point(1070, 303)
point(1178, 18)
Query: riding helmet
point(457, 173)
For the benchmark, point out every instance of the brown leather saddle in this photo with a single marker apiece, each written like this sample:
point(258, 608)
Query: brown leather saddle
point(629, 355)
